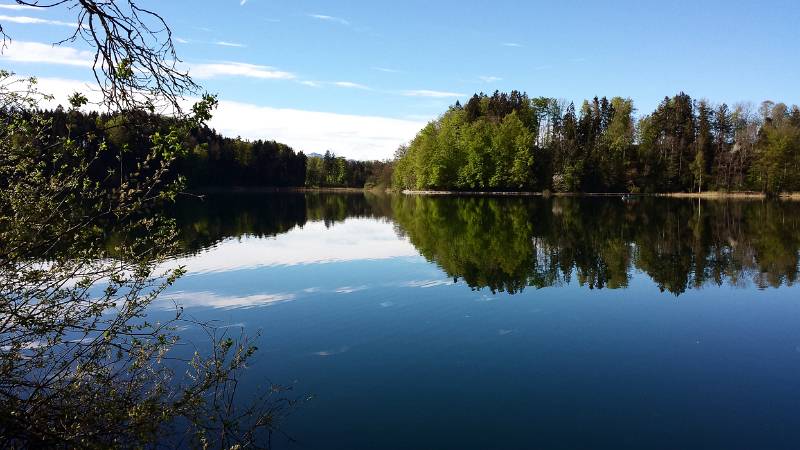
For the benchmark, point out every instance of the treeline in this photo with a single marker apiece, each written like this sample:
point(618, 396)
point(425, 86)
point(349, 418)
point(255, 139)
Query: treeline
point(332, 171)
point(213, 160)
point(513, 142)
point(220, 161)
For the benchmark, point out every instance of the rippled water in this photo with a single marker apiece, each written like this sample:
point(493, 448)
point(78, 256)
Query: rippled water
point(473, 322)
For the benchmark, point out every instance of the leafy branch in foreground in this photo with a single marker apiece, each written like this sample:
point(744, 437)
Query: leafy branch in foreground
point(80, 263)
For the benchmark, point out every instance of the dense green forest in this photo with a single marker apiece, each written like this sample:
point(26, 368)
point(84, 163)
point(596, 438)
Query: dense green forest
point(213, 160)
point(513, 142)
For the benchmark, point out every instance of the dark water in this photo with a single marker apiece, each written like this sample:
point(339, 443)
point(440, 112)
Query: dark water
point(563, 323)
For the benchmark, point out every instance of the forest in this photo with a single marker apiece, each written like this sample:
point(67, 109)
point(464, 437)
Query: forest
point(212, 160)
point(503, 142)
point(516, 143)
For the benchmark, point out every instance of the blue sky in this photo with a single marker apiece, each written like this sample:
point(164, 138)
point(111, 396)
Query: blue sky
point(360, 77)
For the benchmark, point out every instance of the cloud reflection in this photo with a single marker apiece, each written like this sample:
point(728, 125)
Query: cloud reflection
point(333, 352)
point(212, 300)
point(428, 283)
point(352, 240)
point(350, 289)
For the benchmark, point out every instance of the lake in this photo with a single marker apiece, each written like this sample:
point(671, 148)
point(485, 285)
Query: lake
point(479, 322)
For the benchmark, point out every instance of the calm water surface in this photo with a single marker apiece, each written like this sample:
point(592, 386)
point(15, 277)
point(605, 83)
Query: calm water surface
point(563, 323)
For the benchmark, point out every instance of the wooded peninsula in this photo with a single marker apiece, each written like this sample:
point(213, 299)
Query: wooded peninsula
point(511, 142)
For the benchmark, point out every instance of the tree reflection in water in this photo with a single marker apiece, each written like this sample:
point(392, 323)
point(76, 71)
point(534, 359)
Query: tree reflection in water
point(509, 244)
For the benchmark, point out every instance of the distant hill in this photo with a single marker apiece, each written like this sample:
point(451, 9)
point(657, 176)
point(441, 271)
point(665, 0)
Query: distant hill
point(315, 155)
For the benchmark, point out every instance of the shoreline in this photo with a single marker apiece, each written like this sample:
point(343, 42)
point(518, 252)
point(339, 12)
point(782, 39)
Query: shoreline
point(266, 190)
point(709, 195)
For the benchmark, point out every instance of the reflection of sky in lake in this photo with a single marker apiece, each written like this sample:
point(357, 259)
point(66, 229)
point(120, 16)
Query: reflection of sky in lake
point(355, 239)
point(397, 355)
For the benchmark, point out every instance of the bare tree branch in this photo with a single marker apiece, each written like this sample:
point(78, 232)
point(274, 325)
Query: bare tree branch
point(135, 62)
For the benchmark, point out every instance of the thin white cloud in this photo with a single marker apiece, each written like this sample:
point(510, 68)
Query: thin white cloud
point(327, 18)
point(36, 52)
point(181, 40)
point(350, 85)
point(25, 20)
point(242, 3)
point(431, 94)
point(489, 79)
point(511, 44)
point(310, 83)
point(237, 69)
point(17, 7)
point(384, 69)
point(229, 44)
